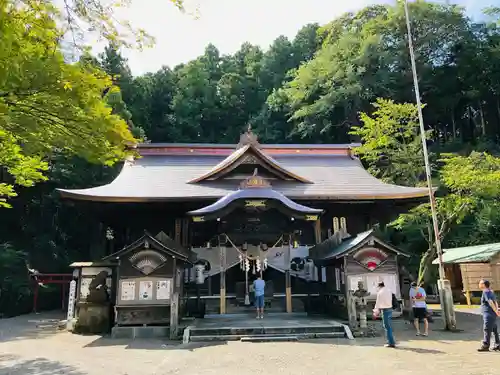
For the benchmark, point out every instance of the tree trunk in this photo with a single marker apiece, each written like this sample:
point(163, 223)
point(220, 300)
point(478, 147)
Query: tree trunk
point(453, 123)
point(483, 124)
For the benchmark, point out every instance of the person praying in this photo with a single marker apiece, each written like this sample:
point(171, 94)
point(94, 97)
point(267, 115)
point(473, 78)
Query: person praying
point(259, 287)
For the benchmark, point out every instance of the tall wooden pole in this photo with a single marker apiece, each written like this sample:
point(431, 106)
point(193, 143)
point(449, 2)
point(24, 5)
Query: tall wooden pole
point(445, 294)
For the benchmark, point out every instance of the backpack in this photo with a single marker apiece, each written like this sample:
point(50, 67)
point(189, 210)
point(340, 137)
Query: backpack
point(395, 302)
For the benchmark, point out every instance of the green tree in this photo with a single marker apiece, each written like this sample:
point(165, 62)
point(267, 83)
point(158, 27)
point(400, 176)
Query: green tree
point(470, 188)
point(47, 105)
point(391, 144)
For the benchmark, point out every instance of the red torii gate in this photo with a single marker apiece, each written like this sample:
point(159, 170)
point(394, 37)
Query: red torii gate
point(50, 278)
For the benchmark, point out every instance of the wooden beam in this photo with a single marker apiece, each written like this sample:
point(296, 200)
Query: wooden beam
point(174, 302)
point(222, 250)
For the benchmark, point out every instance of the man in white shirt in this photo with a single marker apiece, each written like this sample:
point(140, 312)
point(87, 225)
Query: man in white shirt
point(383, 307)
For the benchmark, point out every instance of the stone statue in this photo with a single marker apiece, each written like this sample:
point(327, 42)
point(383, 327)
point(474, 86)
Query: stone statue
point(98, 290)
point(360, 302)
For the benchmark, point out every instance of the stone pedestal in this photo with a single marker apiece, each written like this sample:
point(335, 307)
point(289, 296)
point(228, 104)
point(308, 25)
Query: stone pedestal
point(93, 318)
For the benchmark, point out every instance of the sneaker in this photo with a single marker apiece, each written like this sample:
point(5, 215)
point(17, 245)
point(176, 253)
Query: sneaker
point(425, 334)
point(496, 348)
point(483, 349)
point(390, 345)
point(417, 334)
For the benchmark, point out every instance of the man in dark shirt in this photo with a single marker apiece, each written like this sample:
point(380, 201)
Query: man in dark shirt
point(489, 310)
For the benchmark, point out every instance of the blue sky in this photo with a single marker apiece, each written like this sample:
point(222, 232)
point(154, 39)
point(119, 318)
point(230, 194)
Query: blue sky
point(229, 23)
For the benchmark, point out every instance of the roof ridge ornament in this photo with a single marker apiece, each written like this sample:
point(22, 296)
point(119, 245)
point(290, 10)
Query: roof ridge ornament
point(248, 138)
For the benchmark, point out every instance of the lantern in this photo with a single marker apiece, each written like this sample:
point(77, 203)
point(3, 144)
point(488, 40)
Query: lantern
point(199, 272)
point(309, 269)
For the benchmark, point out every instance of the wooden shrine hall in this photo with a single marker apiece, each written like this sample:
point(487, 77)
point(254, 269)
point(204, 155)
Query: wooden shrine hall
point(242, 210)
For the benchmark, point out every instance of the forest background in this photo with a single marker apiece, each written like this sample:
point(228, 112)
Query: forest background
point(68, 123)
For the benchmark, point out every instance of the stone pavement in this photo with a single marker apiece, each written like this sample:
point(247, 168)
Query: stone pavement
point(28, 350)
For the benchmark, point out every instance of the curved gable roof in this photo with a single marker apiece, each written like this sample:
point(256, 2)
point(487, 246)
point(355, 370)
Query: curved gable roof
point(245, 154)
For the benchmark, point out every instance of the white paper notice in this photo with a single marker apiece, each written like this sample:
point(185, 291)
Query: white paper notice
point(84, 287)
point(146, 290)
point(127, 291)
point(163, 289)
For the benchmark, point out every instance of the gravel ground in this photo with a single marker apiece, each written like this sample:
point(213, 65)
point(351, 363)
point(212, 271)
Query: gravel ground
point(26, 349)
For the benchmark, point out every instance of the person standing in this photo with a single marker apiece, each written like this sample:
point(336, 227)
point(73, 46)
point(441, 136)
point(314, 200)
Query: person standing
point(489, 310)
point(417, 297)
point(259, 287)
point(383, 307)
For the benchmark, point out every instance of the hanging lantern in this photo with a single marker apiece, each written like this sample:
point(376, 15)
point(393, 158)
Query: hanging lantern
point(240, 258)
point(257, 264)
point(247, 265)
point(244, 247)
point(264, 247)
point(309, 269)
point(199, 272)
point(264, 267)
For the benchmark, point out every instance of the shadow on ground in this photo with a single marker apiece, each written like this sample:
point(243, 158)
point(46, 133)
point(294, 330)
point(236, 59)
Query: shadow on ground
point(12, 365)
point(151, 344)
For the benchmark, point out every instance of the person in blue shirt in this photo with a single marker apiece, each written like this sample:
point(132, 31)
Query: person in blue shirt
point(259, 286)
point(417, 297)
point(489, 310)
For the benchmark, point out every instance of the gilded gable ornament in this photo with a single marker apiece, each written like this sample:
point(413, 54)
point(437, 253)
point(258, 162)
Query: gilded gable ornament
point(255, 181)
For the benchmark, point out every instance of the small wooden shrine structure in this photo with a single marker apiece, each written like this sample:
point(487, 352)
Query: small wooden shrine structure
point(347, 260)
point(465, 266)
point(149, 276)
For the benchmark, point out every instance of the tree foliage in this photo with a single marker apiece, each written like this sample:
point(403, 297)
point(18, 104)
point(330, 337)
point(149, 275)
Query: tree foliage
point(46, 105)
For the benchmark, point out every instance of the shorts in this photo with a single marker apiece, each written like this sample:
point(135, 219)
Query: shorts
point(420, 313)
point(259, 302)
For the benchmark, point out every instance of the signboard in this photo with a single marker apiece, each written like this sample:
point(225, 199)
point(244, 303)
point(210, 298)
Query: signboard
point(146, 290)
point(163, 288)
point(71, 300)
point(127, 291)
point(370, 257)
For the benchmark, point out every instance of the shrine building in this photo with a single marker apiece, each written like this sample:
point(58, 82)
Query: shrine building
point(299, 215)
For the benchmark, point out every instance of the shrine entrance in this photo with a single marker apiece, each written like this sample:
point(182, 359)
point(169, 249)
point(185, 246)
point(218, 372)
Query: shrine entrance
point(260, 232)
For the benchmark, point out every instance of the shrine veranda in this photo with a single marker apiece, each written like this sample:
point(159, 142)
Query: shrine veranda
point(186, 228)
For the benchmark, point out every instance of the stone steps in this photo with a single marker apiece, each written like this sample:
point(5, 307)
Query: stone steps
point(262, 333)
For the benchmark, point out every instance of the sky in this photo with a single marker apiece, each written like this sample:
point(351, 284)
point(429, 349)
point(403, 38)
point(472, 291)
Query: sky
point(227, 24)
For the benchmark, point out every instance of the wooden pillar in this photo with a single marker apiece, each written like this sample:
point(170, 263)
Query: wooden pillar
point(174, 302)
point(468, 298)
point(178, 230)
point(288, 281)
point(222, 251)
point(317, 231)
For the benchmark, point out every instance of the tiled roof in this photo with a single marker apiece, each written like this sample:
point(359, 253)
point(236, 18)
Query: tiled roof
point(164, 177)
point(331, 249)
point(470, 254)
